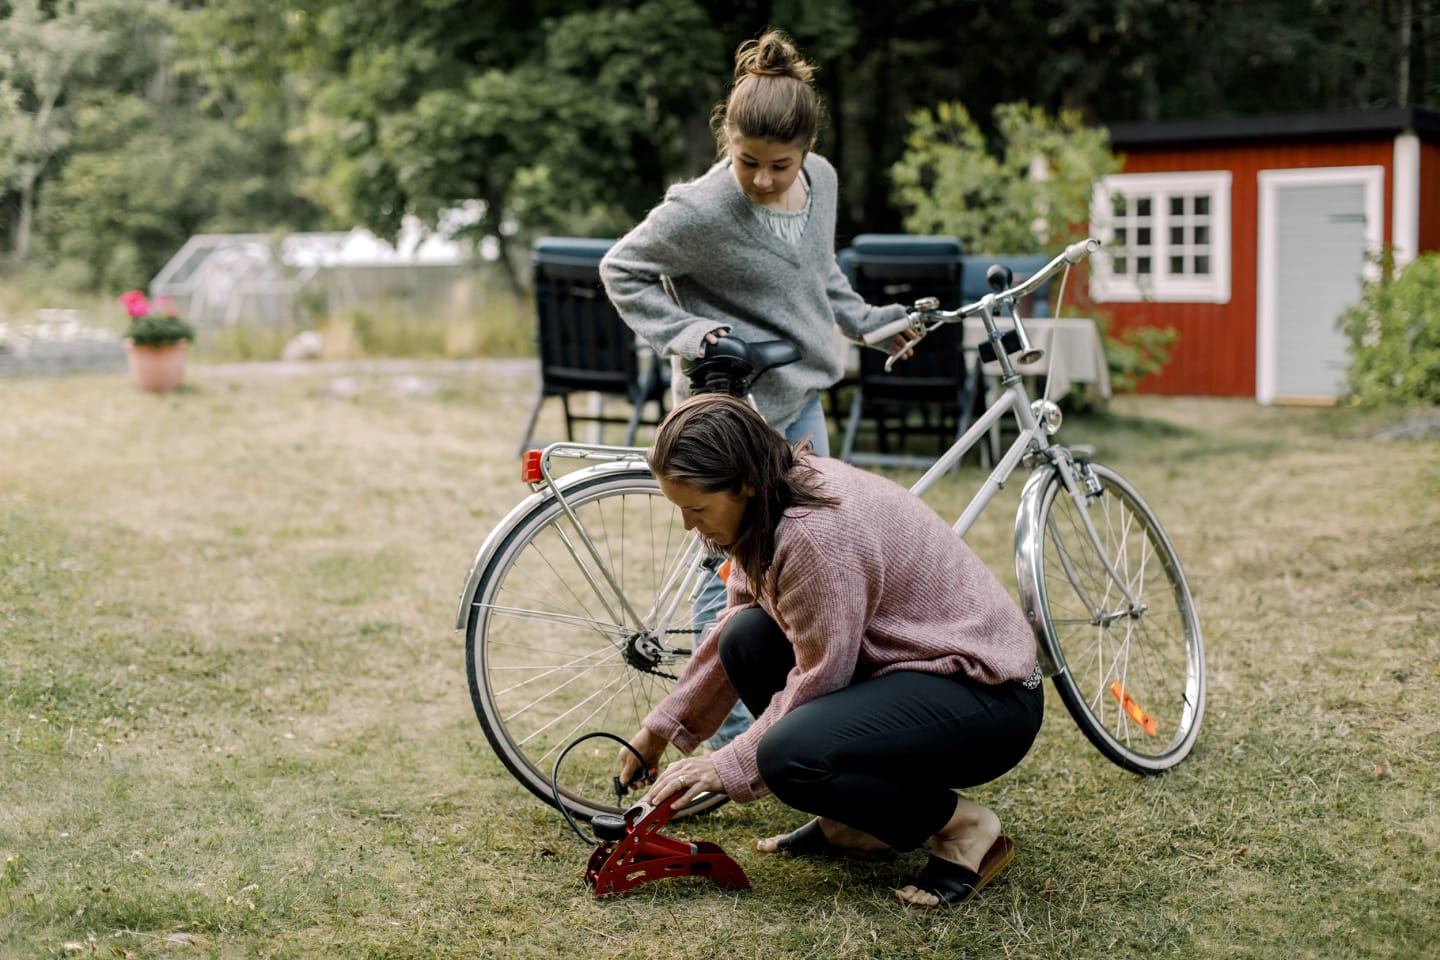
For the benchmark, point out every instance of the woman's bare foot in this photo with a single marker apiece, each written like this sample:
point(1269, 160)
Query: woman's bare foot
point(841, 840)
point(970, 833)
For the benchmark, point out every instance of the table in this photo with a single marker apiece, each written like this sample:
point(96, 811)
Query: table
point(1074, 352)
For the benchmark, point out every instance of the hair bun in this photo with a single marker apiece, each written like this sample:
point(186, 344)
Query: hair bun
point(773, 55)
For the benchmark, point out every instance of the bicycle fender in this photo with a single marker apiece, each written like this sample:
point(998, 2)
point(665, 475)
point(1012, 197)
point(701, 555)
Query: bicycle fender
point(1029, 543)
point(518, 512)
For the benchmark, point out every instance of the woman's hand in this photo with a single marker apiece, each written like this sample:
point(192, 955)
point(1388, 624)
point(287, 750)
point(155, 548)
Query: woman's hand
point(648, 745)
point(902, 341)
point(689, 777)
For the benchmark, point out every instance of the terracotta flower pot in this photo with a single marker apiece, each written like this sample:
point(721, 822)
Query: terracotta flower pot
point(156, 369)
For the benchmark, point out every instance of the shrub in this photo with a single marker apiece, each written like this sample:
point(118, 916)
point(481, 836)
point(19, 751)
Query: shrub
point(1029, 188)
point(1394, 334)
point(1134, 354)
point(1027, 192)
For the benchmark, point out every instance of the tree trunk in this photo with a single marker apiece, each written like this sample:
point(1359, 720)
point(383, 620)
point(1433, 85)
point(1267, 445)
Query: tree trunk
point(20, 230)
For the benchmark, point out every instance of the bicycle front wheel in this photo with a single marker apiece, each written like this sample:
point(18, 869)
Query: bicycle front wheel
point(1118, 621)
point(562, 641)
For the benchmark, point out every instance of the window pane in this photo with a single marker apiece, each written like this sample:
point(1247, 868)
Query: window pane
point(1142, 206)
point(1202, 235)
point(1177, 235)
point(1177, 206)
point(1202, 205)
point(1142, 266)
point(1142, 236)
point(1177, 266)
point(1122, 266)
point(1117, 203)
point(1202, 266)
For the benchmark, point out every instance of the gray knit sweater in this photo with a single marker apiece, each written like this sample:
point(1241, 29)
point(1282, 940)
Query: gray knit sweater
point(703, 260)
point(876, 584)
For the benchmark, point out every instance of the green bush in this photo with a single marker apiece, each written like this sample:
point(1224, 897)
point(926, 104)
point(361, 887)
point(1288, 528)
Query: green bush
point(1027, 188)
point(1136, 353)
point(1394, 334)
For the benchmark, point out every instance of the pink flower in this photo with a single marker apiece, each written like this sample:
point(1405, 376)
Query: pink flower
point(134, 303)
point(163, 306)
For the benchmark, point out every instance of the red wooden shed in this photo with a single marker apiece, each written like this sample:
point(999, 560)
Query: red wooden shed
point(1250, 237)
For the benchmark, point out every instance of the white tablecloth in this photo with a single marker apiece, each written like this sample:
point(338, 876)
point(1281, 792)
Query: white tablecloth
point(1074, 352)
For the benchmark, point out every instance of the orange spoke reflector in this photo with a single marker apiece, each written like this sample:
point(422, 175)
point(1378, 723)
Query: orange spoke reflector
point(724, 571)
point(1128, 704)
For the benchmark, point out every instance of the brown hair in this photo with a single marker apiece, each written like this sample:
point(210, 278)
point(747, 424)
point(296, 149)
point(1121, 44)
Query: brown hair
point(714, 443)
point(772, 97)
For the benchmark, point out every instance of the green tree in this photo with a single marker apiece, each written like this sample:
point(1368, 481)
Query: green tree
point(538, 117)
point(1033, 191)
point(1030, 190)
point(150, 157)
point(44, 52)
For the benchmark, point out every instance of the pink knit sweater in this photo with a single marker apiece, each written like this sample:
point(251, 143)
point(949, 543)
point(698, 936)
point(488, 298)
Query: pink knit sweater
point(875, 584)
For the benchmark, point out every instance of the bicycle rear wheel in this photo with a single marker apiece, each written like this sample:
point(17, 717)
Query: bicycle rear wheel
point(1133, 677)
point(555, 651)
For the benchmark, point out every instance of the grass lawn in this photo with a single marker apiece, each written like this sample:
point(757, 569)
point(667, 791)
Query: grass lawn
point(234, 719)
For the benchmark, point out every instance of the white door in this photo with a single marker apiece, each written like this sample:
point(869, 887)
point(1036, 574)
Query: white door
point(1317, 228)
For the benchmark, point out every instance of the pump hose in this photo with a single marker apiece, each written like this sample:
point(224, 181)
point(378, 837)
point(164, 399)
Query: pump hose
point(620, 788)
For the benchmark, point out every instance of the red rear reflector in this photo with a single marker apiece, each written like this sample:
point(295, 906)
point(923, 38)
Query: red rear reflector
point(530, 467)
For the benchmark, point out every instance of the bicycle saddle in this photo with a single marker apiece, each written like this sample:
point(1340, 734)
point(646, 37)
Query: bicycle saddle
point(730, 365)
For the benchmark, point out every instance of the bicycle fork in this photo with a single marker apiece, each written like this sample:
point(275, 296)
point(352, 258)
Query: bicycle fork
point(1083, 487)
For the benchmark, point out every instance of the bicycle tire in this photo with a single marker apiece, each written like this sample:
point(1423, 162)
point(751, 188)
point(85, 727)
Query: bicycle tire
point(548, 656)
point(1133, 680)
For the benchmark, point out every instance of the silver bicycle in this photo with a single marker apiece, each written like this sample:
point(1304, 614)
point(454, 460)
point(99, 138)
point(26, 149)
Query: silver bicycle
point(577, 609)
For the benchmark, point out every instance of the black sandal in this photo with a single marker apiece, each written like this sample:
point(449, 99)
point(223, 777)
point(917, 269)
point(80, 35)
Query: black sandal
point(952, 883)
point(810, 841)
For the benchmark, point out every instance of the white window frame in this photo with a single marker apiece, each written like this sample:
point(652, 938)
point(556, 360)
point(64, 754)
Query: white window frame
point(1160, 285)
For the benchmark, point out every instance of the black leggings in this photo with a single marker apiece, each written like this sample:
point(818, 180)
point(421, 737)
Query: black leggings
point(883, 755)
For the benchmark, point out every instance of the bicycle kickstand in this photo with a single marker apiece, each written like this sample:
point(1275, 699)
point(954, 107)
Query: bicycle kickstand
point(632, 851)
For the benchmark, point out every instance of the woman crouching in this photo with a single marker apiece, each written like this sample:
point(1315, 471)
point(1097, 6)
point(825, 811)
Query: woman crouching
point(885, 665)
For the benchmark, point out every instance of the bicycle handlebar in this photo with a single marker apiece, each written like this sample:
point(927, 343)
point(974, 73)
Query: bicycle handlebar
point(916, 319)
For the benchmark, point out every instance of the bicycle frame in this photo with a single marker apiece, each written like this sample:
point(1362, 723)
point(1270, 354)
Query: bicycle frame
point(1015, 401)
point(576, 605)
point(1032, 419)
point(683, 581)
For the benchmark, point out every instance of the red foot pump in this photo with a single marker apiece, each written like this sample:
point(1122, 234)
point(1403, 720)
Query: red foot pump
point(632, 852)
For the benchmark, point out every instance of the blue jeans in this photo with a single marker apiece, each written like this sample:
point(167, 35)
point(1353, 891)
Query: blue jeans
point(711, 599)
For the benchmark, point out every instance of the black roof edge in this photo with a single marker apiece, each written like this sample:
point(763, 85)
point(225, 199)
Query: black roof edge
point(1310, 126)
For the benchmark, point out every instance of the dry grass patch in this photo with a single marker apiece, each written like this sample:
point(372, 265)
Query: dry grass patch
point(234, 722)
